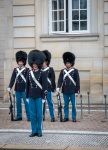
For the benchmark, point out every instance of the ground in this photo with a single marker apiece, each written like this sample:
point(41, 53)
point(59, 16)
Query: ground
point(91, 131)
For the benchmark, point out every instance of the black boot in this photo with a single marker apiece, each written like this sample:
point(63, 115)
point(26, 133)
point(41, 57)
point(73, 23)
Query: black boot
point(28, 119)
point(65, 119)
point(74, 119)
point(33, 134)
point(18, 119)
point(39, 135)
point(52, 119)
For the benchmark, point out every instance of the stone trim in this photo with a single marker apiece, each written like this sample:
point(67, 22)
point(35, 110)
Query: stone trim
point(69, 37)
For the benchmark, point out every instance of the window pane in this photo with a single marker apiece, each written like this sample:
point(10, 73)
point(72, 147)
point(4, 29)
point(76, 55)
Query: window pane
point(75, 25)
point(75, 15)
point(75, 4)
point(54, 26)
point(83, 4)
point(83, 25)
point(54, 15)
point(60, 26)
point(61, 4)
point(54, 4)
point(61, 15)
point(83, 14)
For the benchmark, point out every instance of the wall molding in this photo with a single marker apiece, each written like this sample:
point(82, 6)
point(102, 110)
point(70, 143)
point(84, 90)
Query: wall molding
point(69, 37)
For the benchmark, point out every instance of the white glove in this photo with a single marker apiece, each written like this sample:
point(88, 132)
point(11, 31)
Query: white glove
point(43, 101)
point(58, 90)
point(27, 100)
point(9, 89)
point(76, 94)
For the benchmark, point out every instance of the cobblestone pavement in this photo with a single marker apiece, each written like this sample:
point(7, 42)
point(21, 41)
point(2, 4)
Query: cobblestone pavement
point(90, 131)
point(94, 121)
point(82, 140)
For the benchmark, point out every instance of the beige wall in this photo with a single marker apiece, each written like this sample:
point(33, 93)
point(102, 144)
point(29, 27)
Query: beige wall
point(105, 59)
point(2, 47)
point(26, 27)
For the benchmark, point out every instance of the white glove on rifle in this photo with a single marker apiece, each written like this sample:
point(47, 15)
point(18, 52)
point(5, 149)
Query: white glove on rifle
point(43, 101)
point(58, 90)
point(9, 89)
point(27, 100)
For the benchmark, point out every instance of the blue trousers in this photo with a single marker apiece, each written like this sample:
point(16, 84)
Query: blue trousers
point(36, 115)
point(67, 98)
point(50, 104)
point(19, 96)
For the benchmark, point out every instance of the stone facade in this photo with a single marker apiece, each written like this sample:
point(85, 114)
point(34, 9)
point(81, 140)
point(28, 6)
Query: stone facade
point(24, 25)
point(2, 47)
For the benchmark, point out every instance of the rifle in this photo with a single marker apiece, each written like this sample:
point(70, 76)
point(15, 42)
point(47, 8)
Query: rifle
point(44, 109)
point(59, 107)
point(14, 104)
point(11, 107)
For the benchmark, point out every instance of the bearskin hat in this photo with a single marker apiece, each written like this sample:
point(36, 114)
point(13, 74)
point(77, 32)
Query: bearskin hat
point(69, 57)
point(36, 57)
point(21, 56)
point(48, 56)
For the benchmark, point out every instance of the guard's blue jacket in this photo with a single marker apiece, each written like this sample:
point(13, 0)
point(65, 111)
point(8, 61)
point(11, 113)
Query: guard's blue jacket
point(20, 84)
point(66, 83)
point(50, 79)
point(32, 89)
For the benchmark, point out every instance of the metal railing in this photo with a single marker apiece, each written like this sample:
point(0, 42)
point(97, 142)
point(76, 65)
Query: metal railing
point(88, 95)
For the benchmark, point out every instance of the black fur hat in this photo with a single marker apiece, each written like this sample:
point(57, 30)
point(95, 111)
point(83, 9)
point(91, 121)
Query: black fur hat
point(69, 57)
point(48, 56)
point(36, 57)
point(21, 56)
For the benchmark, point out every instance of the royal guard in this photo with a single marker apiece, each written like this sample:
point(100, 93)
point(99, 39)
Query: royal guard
point(19, 78)
point(70, 82)
point(36, 90)
point(50, 82)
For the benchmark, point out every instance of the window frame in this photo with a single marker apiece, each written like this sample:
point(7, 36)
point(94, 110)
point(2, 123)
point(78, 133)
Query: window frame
point(69, 19)
point(50, 18)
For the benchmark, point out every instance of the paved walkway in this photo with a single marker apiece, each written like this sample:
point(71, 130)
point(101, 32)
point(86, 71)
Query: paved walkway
point(95, 121)
point(34, 147)
point(88, 133)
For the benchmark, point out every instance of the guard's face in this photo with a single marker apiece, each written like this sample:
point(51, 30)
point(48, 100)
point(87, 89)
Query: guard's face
point(35, 67)
point(68, 64)
point(44, 64)
point(20, 63)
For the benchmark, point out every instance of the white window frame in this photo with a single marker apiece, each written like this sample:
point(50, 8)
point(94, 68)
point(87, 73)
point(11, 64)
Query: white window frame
point(50, 18)
point(69, 18)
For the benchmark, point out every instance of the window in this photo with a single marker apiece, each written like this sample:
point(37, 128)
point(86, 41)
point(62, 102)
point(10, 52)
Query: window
point(69, 16)
point(58, 15)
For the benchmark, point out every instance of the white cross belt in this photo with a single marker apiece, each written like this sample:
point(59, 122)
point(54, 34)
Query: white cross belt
point(67, 73)
point(47, 77)
point(20, 74)
point(35, 80)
